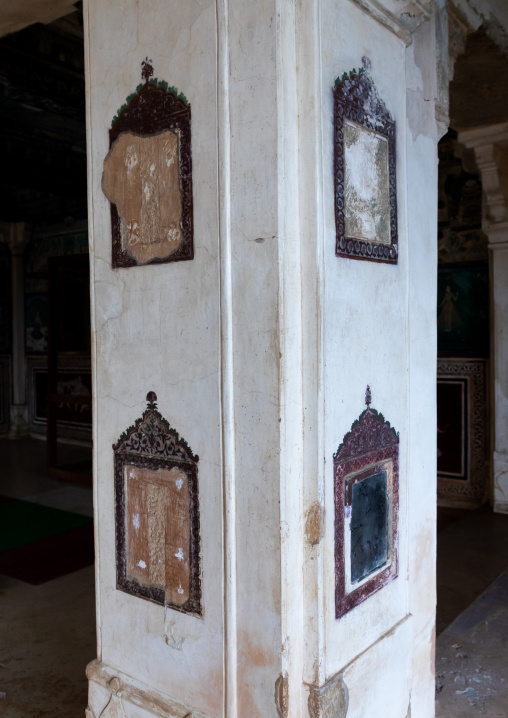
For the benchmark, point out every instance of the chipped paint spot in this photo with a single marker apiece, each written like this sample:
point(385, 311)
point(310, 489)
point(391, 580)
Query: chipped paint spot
point(135, 521)
point(179, 554)
point(331, 700)
point(141, 564)
point(314, 523)
point(281, 695)
point(179, 484)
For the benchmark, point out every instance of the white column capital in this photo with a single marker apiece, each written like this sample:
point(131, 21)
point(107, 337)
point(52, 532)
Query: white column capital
point(490, 146)
point(497, 234)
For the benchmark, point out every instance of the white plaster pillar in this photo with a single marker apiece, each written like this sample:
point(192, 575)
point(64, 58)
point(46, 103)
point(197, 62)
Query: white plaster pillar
point(490, 145)
point(259, 351)
point(16, 235)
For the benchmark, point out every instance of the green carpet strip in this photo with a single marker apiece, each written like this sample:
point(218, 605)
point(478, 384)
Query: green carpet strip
point(22, 522)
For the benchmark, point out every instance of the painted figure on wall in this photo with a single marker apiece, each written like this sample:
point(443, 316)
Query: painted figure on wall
point(463, 310)
point(449, 316)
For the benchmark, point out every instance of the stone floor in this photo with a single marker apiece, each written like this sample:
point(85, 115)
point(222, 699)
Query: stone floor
point(47, 637)
point(47, 632)
point(472, 659)
point(472, 550)
point(472, 614)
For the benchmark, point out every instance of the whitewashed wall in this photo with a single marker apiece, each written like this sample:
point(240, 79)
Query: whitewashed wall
point(260, 350)
point(158, 328)
point(376, 326)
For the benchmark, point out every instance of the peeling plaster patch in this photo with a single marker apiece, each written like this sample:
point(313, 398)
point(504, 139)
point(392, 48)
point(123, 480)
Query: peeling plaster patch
point(173, 641)
point(331, 700)
point(281, 695)
point(314, 523)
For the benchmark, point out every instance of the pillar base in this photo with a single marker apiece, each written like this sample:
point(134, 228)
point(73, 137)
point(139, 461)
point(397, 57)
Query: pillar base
point(19, 425)
point(112, 689)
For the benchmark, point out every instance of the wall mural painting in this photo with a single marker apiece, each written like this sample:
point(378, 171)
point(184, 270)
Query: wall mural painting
point(463, 311)
point(366, 481)
point(462, 432)
point(157, 514)
point(75, 379)
point(148, 176)
point(364, 170)
point(460, 235)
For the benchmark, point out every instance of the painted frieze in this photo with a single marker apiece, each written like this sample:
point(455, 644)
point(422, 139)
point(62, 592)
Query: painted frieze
point(366, 482)
point(364, 170)
point(157, 514)
point(148, 176)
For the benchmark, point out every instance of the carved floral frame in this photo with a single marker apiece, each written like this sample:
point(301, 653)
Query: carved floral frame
point(370, 445)
point(356, 99)
point(152, 444)
point(152, 109)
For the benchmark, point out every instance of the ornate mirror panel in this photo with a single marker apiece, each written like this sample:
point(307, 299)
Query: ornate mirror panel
point(366, 476)
point(365, 171)
point(157, 514)
point(148, 176)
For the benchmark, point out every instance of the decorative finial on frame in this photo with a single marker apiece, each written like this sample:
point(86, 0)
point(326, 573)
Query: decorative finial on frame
point(366, 63)
point(368, 396)
point(151, 398)
point(146, 69)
